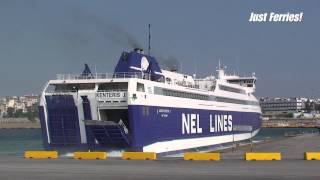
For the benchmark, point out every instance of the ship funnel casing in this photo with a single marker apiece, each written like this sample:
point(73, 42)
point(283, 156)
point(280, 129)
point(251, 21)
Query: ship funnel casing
point(136, 62)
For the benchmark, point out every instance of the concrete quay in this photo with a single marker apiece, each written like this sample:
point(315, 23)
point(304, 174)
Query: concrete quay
point(232, 165)
point(292, 148)
point(19, 168)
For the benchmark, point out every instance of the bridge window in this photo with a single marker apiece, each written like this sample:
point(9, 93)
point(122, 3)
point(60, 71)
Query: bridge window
point(73, 87)
point(231, 89)
point(140, 87)
point(168, 80)
point(169, 92)
point(115, 86)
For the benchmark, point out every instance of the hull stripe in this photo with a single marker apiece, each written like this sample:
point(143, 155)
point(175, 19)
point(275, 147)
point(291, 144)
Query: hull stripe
point(181, 144)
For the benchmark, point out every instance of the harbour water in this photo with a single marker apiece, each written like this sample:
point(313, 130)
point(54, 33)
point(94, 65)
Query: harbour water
point(14, 142)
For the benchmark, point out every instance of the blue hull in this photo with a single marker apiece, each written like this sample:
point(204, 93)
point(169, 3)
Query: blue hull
point(147, 125)
point(168, 126)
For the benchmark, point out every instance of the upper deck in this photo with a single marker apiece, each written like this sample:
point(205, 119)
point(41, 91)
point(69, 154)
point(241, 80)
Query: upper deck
point(100, 76)
point(136, 69)
point(171, 79)
point(138, 65)
point(107, 77)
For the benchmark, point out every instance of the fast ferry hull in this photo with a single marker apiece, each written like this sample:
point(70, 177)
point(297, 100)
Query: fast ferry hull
point(182, 128)
point(153, 129)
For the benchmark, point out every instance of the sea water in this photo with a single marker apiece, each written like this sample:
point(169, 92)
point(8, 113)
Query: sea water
point(16, 141)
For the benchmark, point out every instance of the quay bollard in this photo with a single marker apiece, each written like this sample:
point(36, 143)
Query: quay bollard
point(41, 154)
point(262, 156)
point(202, 156)
point(139, 156)
point(90, 155)
point(312, 155)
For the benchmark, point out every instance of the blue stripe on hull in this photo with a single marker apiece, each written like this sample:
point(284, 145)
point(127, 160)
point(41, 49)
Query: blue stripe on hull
point(210, 148)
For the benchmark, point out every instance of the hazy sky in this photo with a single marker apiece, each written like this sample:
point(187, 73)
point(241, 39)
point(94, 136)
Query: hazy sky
point(39, 39)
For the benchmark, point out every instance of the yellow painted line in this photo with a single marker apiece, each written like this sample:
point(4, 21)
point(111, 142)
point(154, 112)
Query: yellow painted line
point(90, 155)
point(139, 155)
point(41, 154)
point(312, 155)
point(202, 156)
point(263, 156)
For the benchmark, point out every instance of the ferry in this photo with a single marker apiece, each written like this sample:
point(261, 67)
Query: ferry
point(141, 107)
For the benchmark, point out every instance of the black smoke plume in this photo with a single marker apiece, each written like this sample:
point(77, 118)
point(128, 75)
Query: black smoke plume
point(107, 29)
point(170, 63)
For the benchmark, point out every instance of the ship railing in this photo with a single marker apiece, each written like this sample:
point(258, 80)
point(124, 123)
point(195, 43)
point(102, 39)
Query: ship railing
point(123, 126)
point(119, 75)
point(61, 92)
point(113, 90)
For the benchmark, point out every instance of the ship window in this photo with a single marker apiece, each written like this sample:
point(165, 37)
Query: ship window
point(236, 101)
point(73, 87)
point(168, 80)
point(167, 92)
point(231, 89)
point(87, 86)
point(115, 86)
point(140, 87)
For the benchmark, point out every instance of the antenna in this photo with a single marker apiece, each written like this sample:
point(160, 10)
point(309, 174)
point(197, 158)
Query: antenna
point(237, 65)
point(195, 68)
point(95, 69)
point(149, 42)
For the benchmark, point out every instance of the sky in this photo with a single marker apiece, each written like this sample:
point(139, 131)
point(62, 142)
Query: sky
point(42, 38)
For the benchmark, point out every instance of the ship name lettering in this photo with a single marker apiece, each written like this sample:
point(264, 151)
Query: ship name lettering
point(221, 123)
point(191, 124)
point(109, 95)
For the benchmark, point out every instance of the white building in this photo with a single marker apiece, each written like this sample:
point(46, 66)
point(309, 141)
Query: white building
point(280, 105)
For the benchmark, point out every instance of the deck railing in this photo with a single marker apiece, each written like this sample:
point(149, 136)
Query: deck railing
point(124, 75)
point(138, 75)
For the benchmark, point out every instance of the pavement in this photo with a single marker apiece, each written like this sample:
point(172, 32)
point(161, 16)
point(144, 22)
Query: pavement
point(291, 148)
point(232, 165)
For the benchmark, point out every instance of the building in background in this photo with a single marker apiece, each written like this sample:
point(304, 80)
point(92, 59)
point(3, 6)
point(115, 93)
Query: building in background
point(16, 107)
point(295, 107)
point(282, 105)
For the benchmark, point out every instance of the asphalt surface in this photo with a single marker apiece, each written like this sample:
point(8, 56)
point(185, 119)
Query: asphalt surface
point(232, 166)
point(292, 148)
point(19, 168)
